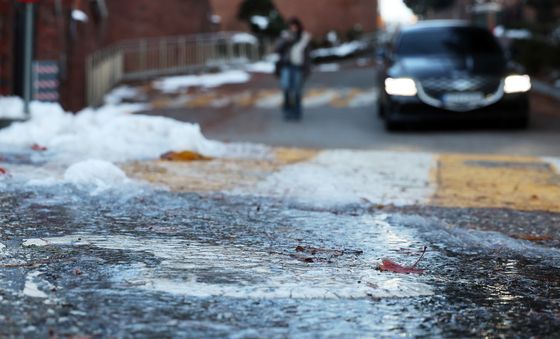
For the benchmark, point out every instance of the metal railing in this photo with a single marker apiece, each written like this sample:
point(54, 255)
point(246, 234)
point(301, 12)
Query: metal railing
point(146, 58)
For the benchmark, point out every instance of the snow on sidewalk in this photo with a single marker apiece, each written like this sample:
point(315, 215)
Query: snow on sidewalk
point(110, 134)
point(177, 83)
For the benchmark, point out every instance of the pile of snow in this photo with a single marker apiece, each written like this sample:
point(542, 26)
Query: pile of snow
point(96, 174)
point(260, 21)
point(121, 94)
point(79, 15)
point(11, 108)
point(178, 83)
point(341, 51)
point(109, 133)
point(266, 65)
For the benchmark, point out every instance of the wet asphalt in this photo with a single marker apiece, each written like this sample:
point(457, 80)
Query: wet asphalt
point(102, 289)
point(143, 262)
point(327, 127)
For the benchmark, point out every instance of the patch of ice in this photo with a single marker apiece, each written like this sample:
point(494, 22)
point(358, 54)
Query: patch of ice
point(97, 174)
point(31, 288)
point(343, 177)
point(177, 83)
point(457, 238)
point(260, 274)
point(34, 242)
point(11, 108)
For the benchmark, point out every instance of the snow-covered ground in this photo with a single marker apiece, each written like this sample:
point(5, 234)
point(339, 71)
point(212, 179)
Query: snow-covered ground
point(341, 51)
point(85, 148)
point(178, 83)
point(11, 108)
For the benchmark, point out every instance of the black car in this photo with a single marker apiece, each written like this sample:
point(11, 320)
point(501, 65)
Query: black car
point(450, 70)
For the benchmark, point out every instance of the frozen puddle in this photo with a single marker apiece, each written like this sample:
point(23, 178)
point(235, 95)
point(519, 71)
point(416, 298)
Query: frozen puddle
point(196, 269)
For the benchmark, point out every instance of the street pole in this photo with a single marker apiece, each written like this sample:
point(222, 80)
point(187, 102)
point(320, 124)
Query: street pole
point(27, 57)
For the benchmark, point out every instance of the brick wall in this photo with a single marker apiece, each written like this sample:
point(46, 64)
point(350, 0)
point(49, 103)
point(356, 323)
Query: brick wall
point(6, 47)
point(322, 16)
point(319, 16)
point(227, 11)
point(70, 42)
point(130, 19)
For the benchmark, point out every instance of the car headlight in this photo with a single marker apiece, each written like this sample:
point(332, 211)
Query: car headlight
point(517, 84)
point(401, 86)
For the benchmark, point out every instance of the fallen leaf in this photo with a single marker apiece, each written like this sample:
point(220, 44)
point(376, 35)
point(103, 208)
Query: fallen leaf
point(184, 156)
point(391, 266)
point(531, 237)
point(38, 148)
point(3, 171)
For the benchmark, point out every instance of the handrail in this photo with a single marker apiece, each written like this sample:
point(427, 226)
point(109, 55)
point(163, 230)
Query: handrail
point(152, 57)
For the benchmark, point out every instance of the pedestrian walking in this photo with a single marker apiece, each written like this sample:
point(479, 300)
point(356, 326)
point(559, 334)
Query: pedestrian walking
point(293, 66)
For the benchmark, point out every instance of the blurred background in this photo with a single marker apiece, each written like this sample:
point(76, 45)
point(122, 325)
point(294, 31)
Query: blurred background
point(82, 49)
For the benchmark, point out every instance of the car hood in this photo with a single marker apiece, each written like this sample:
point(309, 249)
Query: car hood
point(448, 66)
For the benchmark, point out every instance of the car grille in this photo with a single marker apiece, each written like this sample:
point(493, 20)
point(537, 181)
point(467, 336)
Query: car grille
point(437, 87)
point(488, 90)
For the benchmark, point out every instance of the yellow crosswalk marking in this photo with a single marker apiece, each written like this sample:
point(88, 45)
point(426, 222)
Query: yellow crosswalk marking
point(478, 181)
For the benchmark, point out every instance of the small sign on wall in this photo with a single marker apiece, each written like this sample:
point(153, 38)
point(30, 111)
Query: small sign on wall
point(45, 80)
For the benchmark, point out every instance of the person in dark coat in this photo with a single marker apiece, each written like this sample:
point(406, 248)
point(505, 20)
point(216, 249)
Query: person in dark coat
point(293, 66)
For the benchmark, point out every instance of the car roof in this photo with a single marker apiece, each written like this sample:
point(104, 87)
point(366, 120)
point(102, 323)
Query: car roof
point(421, 25)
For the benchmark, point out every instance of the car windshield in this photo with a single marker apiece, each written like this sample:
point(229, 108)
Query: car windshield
point(448, 40)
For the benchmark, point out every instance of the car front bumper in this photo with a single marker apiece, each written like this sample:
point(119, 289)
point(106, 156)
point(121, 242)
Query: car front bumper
point(412, 109)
